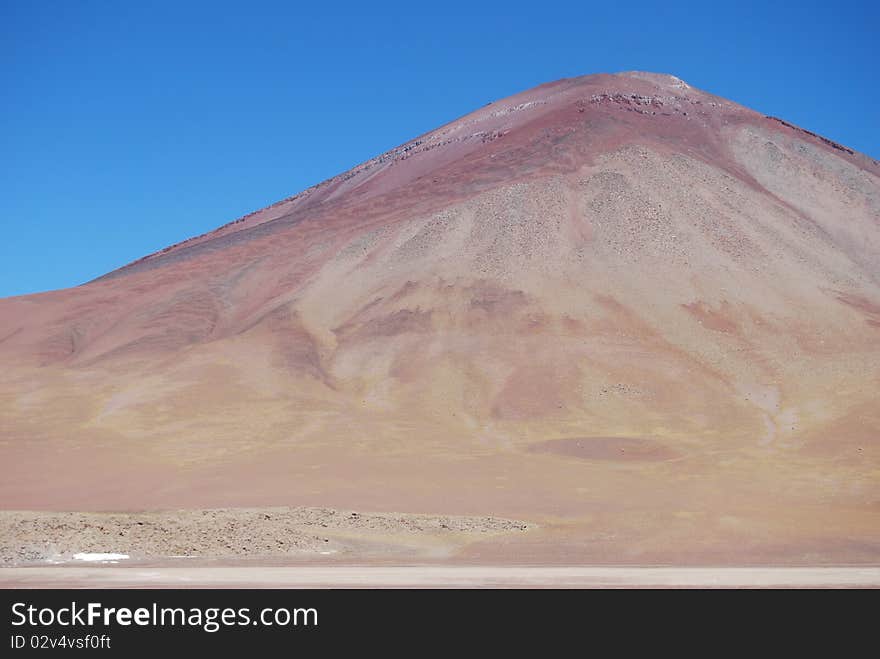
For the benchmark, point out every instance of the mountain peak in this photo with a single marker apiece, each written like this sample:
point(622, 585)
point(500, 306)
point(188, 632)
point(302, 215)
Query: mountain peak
point(556, 126)
point(660, 79)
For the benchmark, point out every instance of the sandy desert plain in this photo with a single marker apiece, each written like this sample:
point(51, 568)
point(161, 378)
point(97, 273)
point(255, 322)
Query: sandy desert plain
point(612, 330)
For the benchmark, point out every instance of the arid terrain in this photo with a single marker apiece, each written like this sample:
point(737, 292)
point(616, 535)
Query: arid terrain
point(616, 318)
point(266, 534)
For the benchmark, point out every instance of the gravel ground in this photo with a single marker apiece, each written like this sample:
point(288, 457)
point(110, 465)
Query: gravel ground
point(39, 537)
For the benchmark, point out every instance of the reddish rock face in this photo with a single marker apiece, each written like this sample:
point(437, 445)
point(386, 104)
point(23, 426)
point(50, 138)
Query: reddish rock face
point(612, 256)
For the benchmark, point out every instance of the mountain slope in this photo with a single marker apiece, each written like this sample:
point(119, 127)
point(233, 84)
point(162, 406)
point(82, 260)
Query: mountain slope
point(642, 316)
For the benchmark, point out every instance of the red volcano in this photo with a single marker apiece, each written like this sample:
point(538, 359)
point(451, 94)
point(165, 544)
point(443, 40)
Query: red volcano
point(641, 316)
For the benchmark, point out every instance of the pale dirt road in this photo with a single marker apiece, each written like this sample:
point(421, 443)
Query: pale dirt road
point(441, 577)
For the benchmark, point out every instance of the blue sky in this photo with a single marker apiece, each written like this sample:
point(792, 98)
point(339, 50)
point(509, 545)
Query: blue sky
point(127, 126)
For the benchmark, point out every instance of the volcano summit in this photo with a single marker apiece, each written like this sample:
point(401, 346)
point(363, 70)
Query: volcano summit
point(640, 320)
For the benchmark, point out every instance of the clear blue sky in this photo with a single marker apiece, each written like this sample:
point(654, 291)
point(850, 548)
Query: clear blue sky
point(127, 126)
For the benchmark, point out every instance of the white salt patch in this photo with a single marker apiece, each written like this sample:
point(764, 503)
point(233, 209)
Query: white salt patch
point(99, 557)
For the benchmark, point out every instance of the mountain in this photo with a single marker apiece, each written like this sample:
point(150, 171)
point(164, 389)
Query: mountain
point(640, 316)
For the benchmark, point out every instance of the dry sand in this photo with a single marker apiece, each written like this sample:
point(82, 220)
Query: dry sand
point(442, 577)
